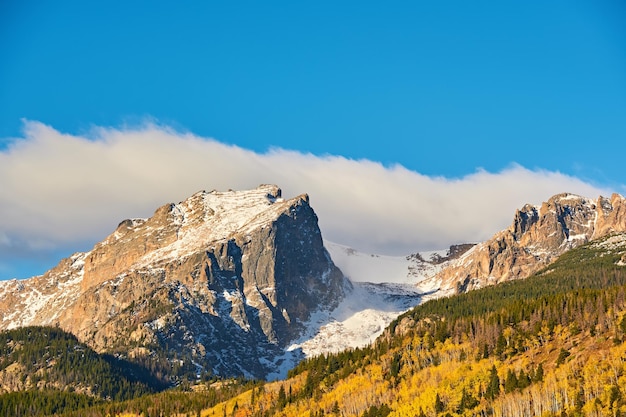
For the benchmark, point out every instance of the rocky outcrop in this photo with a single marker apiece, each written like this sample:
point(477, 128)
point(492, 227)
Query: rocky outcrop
point(537, 236)
point(223, 281)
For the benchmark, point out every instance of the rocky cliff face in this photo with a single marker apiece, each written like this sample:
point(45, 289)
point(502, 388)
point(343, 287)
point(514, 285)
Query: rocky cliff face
point(538, 235)
point(221, 281)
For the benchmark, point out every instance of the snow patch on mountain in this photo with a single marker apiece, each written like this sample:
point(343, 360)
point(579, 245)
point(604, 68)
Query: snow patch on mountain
point(362, 267)
point(41, 299)
point(383, 288)
point(616, 242)
point(221, 215)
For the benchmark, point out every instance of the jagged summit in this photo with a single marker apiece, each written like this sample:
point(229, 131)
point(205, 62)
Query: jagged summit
point(223, 279)
point(537, 236)
point(176, 231)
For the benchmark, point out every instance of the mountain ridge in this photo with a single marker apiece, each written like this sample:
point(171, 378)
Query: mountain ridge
point(537, 235)
point(245, 278)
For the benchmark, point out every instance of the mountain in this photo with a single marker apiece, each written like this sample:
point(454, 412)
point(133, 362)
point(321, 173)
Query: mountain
point(219, 283)
point(550, 345)
point(537, 236)
point(382, 288)
point(386, 286)
point(241, 283)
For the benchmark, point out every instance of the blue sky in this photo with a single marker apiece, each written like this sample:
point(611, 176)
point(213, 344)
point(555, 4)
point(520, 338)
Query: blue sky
point(444, 90)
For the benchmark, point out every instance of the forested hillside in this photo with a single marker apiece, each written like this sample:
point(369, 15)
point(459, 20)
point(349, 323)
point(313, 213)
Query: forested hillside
point(549, 345)
point(49, 369)
point(49, 372)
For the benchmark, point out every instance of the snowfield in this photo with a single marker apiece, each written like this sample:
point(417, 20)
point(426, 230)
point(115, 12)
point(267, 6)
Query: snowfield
point(362, 267)
point(383, 288)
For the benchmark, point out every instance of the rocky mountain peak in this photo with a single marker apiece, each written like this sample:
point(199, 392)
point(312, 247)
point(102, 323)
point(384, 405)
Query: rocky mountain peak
point(564, 217)
point(224, 279)
point(611, 214)
point(537, 236)
point(178, 229)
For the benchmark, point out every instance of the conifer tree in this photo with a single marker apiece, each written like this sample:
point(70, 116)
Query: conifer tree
point(282, 398)
point(439, 405)
point(493, 387)
point(523, 380)
point(510, 383)
point(468, 402)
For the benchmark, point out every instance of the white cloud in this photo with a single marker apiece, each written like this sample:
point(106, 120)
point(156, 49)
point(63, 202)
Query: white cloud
point(58, 189)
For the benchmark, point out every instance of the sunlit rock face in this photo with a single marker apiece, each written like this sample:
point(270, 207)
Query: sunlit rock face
point(537, 236)
point(223, 280)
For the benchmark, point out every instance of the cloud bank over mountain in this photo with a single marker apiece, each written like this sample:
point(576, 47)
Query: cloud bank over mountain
point(62, 191)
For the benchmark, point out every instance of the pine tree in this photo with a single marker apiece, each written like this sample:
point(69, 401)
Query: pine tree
point(439, 405)
point(523, 380)
point(563, 354)
point(394, 369)
point(281, 402)
point(510, 383)
point(493, 387)
point(468, 402)
point(500, 346)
